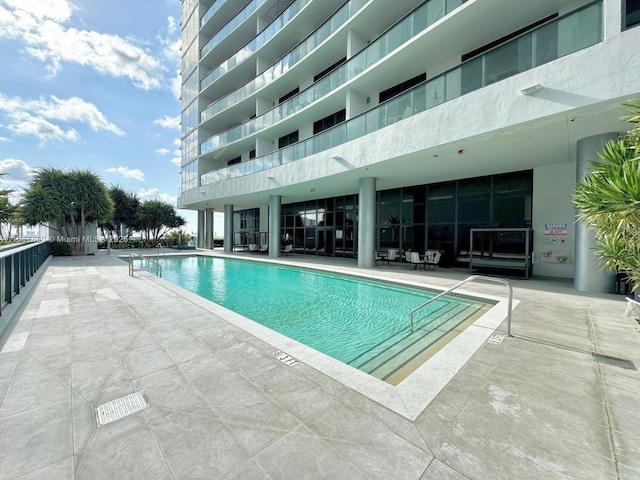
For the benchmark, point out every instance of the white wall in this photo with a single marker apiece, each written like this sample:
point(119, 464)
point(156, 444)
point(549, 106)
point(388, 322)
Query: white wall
point(552, 189)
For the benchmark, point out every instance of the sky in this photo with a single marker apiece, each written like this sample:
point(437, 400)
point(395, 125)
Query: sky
point(93, 84)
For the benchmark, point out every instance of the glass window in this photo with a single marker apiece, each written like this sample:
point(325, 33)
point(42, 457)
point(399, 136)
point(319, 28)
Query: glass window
point(632, 13)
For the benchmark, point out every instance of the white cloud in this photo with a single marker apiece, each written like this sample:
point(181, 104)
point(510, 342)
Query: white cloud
point(162, 151)
point(176, 85)
point(176, 142)
point(24, 123)
point(176, 161)
point(41, 111)
point(40, 25)
point(168, 122)
point(172, 24)
point(127, 172)
point(154, 194)
point(15, 172)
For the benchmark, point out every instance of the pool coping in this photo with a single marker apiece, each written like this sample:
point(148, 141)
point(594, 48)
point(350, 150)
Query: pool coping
point(413, 394)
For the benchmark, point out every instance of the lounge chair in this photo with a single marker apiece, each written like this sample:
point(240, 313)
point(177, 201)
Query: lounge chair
point(264, 248)
point(253, 248)
point(414, 258)
point(287, 250)
point(432, 259)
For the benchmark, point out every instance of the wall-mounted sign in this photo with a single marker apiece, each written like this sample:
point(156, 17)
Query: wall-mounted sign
point(555, 228)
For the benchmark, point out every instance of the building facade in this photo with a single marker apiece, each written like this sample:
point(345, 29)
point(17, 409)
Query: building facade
point(346, 128)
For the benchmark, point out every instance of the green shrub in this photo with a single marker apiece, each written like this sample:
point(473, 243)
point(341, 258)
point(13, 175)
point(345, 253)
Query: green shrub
point(60, 249)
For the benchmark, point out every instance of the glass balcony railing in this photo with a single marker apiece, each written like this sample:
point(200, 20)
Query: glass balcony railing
point(342, 15)
point(410, 26)
point(215, 6)
point(255, 44)
point(558, 38)
point(235, 22)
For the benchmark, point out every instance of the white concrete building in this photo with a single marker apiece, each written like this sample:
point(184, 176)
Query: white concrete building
point(346, 127)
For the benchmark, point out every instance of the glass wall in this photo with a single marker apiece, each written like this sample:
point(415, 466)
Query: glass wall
point(631, 13)
point(246, 228)
point(437, 216)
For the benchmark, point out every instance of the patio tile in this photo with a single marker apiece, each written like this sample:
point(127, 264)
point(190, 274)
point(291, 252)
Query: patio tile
point(36, 438)
point(184, 349)
point(94, 346)
point(250, 470)
point(133, 455)
point(198, 447)
point(145, 360)
point(304, 455)
point(93, 374)
point(32, 386)
point(167, 391)
point(441, 471)
point(61, 470)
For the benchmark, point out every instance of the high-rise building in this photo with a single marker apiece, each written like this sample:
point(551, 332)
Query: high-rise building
point(349, 128)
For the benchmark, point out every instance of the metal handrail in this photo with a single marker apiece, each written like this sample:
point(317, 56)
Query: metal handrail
point(133, 256)
point(466, 280)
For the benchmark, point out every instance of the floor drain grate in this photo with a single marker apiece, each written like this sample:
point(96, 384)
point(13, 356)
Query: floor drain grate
point(615, 361)
point(284, 358)
point(120, 408)
point(496, 339)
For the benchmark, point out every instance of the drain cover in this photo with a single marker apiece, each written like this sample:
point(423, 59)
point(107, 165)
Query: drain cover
point(496, 339)
point(120, 408)
point(284, 358)
point(615, 361)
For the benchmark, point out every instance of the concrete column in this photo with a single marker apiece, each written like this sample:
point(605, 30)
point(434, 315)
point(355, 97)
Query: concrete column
point(275, 225)
point(209, 228)
point(228, 228)
point(201, 229)
point(588, 274)
point(367, 223)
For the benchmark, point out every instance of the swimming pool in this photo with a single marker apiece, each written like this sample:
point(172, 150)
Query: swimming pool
point(362, 323)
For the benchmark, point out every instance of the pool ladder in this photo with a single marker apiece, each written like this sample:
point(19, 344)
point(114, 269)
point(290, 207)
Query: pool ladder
point(467, 280)
point(152, 265)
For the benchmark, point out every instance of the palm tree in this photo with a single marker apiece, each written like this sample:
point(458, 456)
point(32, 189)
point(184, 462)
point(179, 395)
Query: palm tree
point(609, 201)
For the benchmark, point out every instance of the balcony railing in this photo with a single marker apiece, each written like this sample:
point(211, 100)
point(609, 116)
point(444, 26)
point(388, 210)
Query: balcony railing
point(254, 45)
point(403, 31)
point(215, 6)
point(17, 266)
point(560, 37)
point(342, 15)
point(235, 22)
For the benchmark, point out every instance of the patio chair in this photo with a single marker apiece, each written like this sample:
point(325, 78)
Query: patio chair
point(392, 255)
point(253, 248)
point(407, 256)
point(264, 248)
point(287, 250)
point(414, 258)
point(432, 259)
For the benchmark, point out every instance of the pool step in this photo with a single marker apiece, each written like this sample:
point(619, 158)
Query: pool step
point(386, 358)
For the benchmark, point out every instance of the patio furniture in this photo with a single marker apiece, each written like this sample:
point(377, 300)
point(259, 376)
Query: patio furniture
point(287, 250)
point(432, 259)
point(253, 248)
point(414, 258)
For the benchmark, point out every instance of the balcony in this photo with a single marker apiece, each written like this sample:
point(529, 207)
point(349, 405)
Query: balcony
point(560, 37)
point(254, 45)
point(403, 31)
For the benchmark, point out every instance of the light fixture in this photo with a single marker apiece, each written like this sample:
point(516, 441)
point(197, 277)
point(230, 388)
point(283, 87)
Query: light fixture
point(270, 177)
point(532, 89)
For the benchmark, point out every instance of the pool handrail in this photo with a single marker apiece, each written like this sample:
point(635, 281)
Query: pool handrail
point(467, 280)
point(134, 256)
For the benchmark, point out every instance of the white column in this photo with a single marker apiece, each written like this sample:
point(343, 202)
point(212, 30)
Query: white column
point(588, 275)
point(275, 225)
point(228, 228)
point(201, 229)
point(209, 228)
point(367, 222)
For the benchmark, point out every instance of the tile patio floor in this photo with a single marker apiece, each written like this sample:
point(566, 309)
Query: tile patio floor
point(537, 406)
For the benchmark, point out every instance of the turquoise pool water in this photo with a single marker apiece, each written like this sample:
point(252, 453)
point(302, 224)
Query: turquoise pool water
point(343, 317)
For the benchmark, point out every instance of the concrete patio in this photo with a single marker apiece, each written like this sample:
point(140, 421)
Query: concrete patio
point(535, 406)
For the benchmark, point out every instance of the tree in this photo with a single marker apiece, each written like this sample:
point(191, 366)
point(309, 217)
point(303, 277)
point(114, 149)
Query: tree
point(609, 200)
point(156, 218)
point(67, 201)
point(7, 215)
point(126, 205)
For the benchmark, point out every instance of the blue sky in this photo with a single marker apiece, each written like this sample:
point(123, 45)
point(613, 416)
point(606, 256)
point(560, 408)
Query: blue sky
point(92, 84)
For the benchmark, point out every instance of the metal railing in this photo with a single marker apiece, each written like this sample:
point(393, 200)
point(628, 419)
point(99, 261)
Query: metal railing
point(17, 266)
point(467, 280)
point(147, 264)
